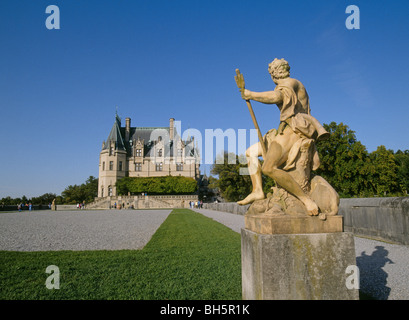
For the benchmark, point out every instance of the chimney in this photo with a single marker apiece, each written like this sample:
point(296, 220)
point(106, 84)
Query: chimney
point(127, 128)
point(171, 128)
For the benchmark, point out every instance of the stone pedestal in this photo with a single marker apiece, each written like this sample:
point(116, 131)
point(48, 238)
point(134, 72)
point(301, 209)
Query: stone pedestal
point(308, 266)
point(285, 224)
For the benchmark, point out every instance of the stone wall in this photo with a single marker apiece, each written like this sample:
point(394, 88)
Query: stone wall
point(231, 207)
point(66, 207)
point(380, 218)
point(143, 202)
point(383, 218)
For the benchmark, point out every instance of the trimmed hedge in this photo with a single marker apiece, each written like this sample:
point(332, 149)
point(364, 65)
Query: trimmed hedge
point(157, 185)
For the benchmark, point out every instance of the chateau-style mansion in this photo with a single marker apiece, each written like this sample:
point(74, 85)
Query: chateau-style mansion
point(144, 152)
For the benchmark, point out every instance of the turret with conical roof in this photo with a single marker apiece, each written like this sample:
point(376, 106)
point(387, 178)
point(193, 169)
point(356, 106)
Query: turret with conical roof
point(112, 161)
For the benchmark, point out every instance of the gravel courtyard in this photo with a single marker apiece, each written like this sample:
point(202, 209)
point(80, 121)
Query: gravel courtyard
point(78, 230)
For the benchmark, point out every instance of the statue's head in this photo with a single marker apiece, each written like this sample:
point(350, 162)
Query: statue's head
point(279, 69)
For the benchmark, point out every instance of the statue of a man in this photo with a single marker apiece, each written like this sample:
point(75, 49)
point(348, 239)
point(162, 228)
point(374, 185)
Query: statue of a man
point(296, 123)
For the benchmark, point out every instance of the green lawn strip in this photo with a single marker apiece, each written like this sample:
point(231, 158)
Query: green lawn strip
point(189, 257)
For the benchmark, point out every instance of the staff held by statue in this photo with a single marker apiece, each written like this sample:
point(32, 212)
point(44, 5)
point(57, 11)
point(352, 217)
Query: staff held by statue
point(240, 83)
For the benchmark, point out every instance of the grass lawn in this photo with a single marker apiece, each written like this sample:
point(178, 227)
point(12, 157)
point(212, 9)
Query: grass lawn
point(189, 257)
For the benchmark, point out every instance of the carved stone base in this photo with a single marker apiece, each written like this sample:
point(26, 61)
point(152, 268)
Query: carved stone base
point(281, 202)
point(285, 224)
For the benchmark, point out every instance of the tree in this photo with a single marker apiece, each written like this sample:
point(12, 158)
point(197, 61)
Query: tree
point(84, 192)
point(44, 199)
point(213, 183)
point(72, 194)
point(7, 201)
point(345, 162)
point(232, 185)
point(90, 188)
point(384, 172)
point(212, 187)
point(402, 161)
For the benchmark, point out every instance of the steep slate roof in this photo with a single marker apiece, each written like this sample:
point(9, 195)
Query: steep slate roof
point(147, 134)
point(116, 136)
point(144, 133)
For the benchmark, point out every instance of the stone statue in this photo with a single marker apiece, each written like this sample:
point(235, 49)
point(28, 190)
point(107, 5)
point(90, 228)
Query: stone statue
point(289, 152)
point(53, 206)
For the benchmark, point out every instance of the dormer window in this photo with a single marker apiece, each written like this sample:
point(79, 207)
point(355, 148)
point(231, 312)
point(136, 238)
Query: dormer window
point(139, 152)
point(160, 152)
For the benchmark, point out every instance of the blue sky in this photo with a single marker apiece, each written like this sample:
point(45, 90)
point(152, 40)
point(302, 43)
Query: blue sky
point(160, 59)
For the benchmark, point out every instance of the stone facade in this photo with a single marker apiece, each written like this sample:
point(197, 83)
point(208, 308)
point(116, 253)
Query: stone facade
point(144, 152)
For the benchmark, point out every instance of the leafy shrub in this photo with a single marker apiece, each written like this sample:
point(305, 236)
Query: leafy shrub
point(157, 185)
